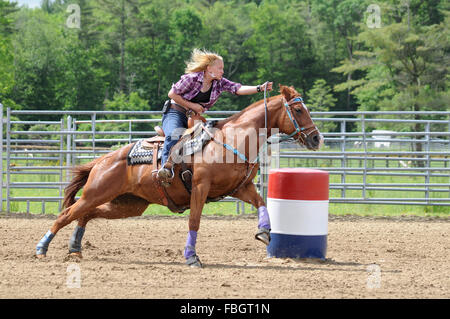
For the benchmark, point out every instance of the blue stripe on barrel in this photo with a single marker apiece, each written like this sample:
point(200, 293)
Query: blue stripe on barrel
point(297, 202)
point(297, 246)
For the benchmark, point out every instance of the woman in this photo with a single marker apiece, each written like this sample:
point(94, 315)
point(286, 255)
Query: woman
point(197, 91)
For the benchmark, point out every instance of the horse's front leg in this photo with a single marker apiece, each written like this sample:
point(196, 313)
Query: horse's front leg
point(249, 195)
point(199, 194)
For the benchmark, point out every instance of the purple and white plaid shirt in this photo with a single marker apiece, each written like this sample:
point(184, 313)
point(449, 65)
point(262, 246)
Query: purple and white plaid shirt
point(191, 83)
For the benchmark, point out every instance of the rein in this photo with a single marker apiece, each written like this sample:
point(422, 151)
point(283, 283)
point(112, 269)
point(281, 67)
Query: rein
point(250, 166)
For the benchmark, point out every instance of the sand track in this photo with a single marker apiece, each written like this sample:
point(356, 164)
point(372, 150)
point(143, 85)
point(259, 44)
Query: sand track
point(142, 258)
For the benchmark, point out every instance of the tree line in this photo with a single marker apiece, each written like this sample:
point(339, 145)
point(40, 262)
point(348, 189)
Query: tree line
point(342, 55)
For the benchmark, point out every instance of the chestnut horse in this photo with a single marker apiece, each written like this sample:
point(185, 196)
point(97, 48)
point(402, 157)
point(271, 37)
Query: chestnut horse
point(113, 189)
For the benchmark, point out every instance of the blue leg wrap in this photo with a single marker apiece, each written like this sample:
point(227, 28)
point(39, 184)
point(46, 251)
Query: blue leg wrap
point(75, 240)
point(263, 218)
point(42, 246)
point(189, 249)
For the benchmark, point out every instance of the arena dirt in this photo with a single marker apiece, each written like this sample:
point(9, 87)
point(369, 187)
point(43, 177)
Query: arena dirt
point(142, 258)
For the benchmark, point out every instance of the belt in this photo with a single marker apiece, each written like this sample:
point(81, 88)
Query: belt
point(179, 108)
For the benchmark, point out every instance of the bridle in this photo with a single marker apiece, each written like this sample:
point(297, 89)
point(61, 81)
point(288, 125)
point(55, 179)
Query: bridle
point(303, 132)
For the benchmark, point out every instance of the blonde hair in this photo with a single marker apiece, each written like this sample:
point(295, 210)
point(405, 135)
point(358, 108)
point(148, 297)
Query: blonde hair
point(200, 59)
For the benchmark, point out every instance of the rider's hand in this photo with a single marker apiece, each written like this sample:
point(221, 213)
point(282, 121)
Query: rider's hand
point(198, 108)
point(269, 86)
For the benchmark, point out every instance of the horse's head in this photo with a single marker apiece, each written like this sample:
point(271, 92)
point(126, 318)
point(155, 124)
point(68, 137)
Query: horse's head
point(296, 120)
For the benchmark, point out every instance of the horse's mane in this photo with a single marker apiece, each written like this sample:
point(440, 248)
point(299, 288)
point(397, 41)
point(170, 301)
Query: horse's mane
point(237, 115)
point(287, 92)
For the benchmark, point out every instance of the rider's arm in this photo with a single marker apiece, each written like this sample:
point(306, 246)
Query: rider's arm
point(247, 90)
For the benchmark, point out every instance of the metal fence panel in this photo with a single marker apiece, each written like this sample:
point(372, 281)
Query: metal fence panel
point(366, 165)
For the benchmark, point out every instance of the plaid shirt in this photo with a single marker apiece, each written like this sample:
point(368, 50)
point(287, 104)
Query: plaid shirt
point(191, 83)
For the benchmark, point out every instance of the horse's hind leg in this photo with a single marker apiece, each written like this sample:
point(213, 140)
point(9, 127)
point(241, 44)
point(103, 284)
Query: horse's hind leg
point(76, 211)
point(122, 207)
point(101, 187)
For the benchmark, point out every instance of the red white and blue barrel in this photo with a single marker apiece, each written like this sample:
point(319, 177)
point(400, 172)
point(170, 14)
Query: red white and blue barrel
point(297, 202)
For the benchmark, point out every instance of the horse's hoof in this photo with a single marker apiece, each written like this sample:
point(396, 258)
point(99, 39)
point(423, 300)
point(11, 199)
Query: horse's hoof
point(263, 235)
point(194, 262)
point(76, 254)
point(40, 256)
point(73, 257)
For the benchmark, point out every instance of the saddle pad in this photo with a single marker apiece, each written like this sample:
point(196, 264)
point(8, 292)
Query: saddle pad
point(140, 155)
point(200, 138)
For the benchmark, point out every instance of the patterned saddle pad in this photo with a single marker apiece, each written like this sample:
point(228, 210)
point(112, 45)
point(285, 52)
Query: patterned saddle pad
point(188, 145)
point(140, 155)
point(198, 140)
point(191, 144)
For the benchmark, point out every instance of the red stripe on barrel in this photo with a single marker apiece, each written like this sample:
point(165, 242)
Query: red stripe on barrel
point(298, 184)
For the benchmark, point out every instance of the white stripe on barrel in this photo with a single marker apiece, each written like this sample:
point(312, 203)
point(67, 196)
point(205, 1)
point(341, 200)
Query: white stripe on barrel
point(297, 201)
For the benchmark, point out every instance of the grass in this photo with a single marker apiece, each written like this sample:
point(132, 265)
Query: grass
point(229, 208)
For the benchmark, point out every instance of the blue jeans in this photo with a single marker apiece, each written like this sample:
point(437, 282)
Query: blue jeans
point(173, 124)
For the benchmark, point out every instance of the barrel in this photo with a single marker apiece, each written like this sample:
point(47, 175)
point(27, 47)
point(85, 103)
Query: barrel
point(297, 202)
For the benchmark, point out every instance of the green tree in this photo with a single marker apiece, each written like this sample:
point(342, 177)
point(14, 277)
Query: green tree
point(320, 99)
point(228, 29)
point(281, 45)
point(343, 19)
point(118, 26)
point(406, 69)
point(40, 45)
point(7, 10)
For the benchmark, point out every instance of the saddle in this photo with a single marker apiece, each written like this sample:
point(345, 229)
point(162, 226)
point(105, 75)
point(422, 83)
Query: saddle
point(149, 151)
point(146, 151)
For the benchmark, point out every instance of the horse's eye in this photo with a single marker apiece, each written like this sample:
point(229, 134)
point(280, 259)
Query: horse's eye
point(299, 111)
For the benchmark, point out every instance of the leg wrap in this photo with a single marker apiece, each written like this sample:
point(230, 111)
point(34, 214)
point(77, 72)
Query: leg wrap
point(42, 246)
point(263, 218)
point(75, 240)
point(189, 250)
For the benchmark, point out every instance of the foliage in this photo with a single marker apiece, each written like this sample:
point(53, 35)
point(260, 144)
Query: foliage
point(321, 100)
point(127, 54)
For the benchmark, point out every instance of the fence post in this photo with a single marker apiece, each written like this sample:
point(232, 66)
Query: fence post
point(93, 116)
point(74, 145)
point(1, 156)
point(363, 129)
point(8, 153)
point(129, 132)
point(61, 162)
point(344, 159)
point(68, 147)
point(427, 147)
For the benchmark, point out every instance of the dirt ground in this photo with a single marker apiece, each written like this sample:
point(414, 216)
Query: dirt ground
point(142, 258)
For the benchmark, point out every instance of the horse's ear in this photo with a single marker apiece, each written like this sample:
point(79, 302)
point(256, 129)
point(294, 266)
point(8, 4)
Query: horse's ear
point(287, 92)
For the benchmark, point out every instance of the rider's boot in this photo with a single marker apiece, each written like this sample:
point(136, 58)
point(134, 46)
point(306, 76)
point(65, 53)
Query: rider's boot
point(165, 173)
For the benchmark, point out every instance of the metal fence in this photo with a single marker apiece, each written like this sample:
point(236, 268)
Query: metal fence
point(405, 163)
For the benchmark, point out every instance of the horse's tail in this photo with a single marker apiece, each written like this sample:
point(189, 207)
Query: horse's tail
point(80, 176)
